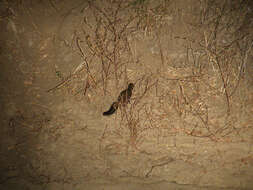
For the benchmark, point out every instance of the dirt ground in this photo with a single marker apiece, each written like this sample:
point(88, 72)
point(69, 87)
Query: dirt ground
point(188, 125)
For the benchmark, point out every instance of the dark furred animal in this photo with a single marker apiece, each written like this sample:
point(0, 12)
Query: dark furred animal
point(123, 99)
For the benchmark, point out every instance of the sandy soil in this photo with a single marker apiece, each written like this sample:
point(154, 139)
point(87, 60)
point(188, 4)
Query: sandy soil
point(188, 125)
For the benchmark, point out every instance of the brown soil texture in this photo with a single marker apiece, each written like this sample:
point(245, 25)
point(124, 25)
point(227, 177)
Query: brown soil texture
point(188, 125)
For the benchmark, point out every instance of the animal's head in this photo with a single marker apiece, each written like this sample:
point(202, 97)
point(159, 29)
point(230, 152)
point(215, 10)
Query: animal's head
point(131, 86)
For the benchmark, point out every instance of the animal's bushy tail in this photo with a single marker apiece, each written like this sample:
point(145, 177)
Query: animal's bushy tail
point(112, 109)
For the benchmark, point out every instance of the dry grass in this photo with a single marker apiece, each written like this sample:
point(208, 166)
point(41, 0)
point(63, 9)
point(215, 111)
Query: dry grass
point(188, 100)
